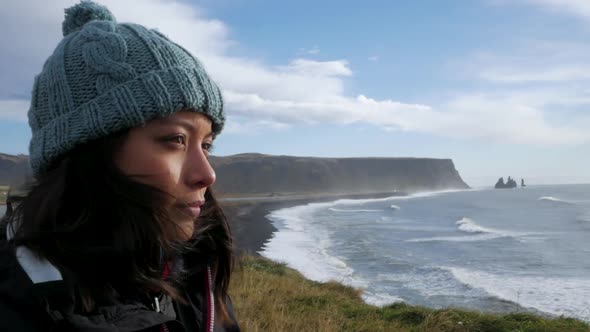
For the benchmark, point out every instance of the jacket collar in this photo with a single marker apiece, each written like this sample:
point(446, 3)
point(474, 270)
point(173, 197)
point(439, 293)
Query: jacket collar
point(37, 268)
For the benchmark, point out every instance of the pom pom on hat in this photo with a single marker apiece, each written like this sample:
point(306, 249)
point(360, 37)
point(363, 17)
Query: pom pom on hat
point(82, 13)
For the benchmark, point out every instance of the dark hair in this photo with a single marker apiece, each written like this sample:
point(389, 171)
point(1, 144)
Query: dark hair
point(110, 233)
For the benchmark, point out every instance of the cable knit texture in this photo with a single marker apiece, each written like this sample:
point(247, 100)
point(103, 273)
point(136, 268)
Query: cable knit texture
point(104, 77)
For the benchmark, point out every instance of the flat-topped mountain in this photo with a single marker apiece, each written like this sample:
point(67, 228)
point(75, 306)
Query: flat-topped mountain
point(258, 174)
point(13, 169)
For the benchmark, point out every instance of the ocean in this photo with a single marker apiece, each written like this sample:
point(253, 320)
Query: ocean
point(509, 250)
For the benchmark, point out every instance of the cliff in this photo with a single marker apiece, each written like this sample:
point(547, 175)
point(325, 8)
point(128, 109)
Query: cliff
point(265, 174)
point(257, 174)
point(13, 169)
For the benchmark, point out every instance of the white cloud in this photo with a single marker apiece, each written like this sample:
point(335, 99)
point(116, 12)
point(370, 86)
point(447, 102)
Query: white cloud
point(554, 74)
point(499, 118)
point(577, 8)
point(294, 81)
point(14, 109)
point(308, 51)
point(246, 126)
point(373, 58)
point(539, 61)
point(537, 94)
point(344, 110)
point(259, 96)
point(317, 68)
point(508, 117)
point(573, 7)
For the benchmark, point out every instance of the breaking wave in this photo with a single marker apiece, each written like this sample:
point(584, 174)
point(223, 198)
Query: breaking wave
point(469, 226)
point(477, 233)
point(555, 200)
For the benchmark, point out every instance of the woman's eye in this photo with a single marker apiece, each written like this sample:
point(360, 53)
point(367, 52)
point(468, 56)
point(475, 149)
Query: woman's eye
point(178, 139)
point(208, 147)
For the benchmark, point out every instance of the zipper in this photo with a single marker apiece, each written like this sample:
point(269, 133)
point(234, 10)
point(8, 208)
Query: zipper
point(210, 301)
point(156, 304)
point(163, 327)
point(210, 304)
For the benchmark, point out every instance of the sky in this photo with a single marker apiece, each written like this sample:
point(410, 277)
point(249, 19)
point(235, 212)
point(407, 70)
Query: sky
point(502, 87)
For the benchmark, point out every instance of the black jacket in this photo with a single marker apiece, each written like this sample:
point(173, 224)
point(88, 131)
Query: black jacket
point(27, 305)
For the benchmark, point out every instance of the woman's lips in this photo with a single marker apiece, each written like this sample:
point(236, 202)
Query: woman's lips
point(193, 209)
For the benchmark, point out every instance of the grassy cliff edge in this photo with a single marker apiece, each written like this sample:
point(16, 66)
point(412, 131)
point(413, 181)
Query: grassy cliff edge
point(268, 296)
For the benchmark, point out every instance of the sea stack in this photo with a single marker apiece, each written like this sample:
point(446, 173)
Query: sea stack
point(510, 183)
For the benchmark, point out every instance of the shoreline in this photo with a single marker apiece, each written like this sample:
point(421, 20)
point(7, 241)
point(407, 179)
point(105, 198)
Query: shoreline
point(251, 229)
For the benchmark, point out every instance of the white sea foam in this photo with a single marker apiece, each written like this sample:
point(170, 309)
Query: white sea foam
point(304, 245)
point(428, 281)
point(469, 226)
point(353, 211)
point(472, 238)
point(380, 299)
point(395, 207)
point(559, 296)
point(555, 200)
point(396, 198)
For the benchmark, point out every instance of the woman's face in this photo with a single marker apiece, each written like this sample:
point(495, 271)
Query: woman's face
point(171, 154)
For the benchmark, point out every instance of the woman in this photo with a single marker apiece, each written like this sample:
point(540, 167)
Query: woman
point(120, 231)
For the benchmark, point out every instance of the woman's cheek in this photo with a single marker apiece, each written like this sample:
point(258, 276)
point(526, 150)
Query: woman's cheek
point(169, 179)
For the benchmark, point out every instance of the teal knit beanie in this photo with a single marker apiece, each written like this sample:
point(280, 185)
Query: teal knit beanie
point(104, 77)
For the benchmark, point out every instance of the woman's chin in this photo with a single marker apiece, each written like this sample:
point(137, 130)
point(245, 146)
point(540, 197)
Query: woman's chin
point(185, 230)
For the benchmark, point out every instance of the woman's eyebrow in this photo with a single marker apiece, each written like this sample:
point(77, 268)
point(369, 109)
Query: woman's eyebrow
point(182, 123)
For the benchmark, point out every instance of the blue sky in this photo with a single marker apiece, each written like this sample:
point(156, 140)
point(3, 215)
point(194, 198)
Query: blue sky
point(501, 87)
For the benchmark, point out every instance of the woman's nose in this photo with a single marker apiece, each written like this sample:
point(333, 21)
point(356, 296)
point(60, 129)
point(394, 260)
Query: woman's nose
point(200, 173)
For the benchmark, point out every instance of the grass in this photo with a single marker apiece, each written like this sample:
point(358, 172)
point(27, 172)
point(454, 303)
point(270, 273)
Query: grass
point(3, 192)
point(268, 296)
